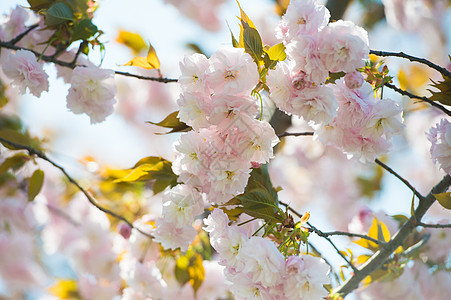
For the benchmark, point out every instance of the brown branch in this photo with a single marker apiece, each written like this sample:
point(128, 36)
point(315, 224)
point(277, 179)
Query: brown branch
point(23, 34)
point(434, 225)
point(91, 199)
point(378, 259)
point(349, 234)
point(426, 62)
point(52, 59)
point(425, 99)
point(295, 134)
point(391, 171)
point(321, 234)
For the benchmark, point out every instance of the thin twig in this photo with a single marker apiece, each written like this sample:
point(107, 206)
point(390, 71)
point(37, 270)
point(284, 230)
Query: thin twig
point(321, 234)
point(425, 99)
point(337, 278)
point(349, 234)
point(391, 171)
point(22, 35)
point(434, 225)
point(413, 59)
point(58, 212)
point(38, 153)
point(295, 134)
point(70, 65)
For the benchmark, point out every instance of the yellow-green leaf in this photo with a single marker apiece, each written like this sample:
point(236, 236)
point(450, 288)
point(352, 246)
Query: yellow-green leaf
point(132, 40)
point(66, 289)
point(172, 121)
point(148, 168)
point(277, 52)
point(196, 271)
point(36, 181)
point(444, 199)
point(181, 269)
point(139, 62)
point(444, 94)
point(253, 44)
point(14, 162)
point(152, 58)
point(378, 231)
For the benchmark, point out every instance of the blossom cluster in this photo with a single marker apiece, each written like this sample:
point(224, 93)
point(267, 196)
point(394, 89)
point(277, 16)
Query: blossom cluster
point(258, 270)
point(92, 88)
point(216, 157)
point(345, 114)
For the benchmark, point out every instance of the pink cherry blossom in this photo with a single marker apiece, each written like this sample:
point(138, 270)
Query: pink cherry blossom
point(25, 72)
point(343, 46)
point(172, 237)
point(354, 80)
point(440, 138)
point(304, 277)
point(232, 72)
point(302, 17)
point(92, 92)
point(181, 205)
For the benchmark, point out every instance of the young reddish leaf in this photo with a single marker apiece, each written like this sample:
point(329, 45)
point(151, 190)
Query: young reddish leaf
point(36, 181)
point(444, 199)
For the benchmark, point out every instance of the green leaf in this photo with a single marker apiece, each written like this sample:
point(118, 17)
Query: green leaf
point(148, 168)
point(253, 43)
point(84, 30)
point(37, 5)
point(444, 94)
point(181, 270)
point(335, 76)
point(36, 181)
point(444, 199)
point(18, 137)
point(14, 162)
point(172, 121)
point(259, 199)
point(58, 13)
point(196, 271)
point(258, 203)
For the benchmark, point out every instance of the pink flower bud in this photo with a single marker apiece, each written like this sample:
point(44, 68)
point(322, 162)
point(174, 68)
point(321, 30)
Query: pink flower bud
point(354, 80)
point(124, 229)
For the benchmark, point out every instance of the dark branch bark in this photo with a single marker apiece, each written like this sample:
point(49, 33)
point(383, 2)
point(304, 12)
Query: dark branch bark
point(426, 62)
point(378, 259)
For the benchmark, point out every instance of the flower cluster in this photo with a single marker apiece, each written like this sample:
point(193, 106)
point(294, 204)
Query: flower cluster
point(346, 113)
point(258, 270)
point(440, 138)
point(216, 157)
point(92, 89)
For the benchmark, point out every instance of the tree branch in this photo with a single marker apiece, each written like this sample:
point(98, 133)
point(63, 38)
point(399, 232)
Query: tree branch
point(434, 225)
point(391, 171)
point(378, 259)
point(349, 234)
point(22, 35)
point(52, 59)
point(295, 134)
point(321, 234)
point(42, 155)
point(426, 62)
point(425, 99)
